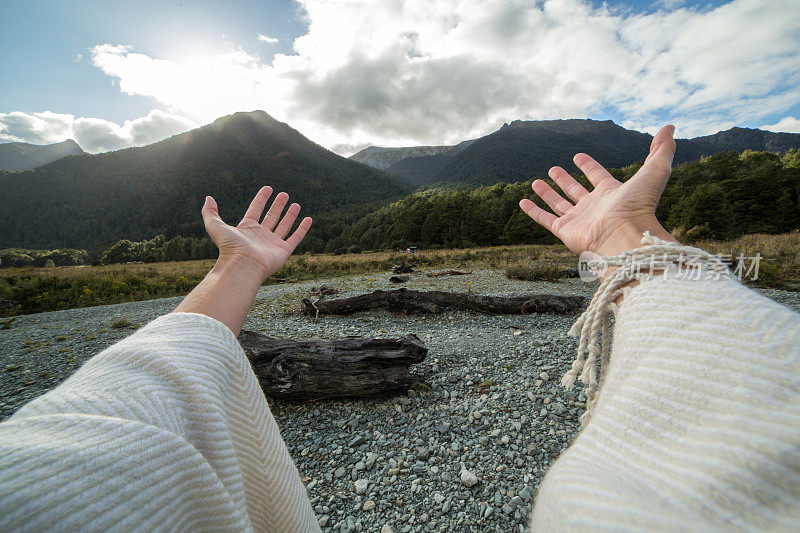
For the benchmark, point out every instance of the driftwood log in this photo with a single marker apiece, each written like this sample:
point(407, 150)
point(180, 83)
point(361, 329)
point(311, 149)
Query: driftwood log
point(402, 268)
point(437, 301)
point(447, 273)
point(399, 279)
point(312, 369)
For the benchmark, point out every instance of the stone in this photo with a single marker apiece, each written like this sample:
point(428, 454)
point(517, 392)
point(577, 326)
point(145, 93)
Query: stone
point(357, 441)
point(387, 529)
point(370, 460)
point(368, 505)
point(339, 472)
point(544, 376)
point(468, 478)
point(361, 486)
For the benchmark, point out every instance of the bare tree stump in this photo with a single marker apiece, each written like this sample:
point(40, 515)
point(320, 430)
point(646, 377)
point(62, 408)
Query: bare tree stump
point(436, 301)
point(311, 369)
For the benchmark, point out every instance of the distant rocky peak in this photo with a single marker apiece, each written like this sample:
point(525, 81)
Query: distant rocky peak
point(382, 157)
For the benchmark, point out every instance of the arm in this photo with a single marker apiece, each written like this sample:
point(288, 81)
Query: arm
point(174, 407)
point(690, 427)
point(248, 254)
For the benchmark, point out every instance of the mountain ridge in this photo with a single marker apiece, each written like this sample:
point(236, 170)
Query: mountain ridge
point(19, 156)
point(521, 149)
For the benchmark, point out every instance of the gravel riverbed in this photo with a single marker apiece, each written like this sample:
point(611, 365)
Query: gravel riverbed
point(465, 450)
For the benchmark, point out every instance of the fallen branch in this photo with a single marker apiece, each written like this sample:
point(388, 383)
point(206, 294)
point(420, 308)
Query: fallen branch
point(447, 273)
point(312, 369)
point(436, 301)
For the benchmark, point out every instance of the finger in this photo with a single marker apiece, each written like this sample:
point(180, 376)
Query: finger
point(558, 204)
point(288, 219)
point(593, 170)
point(211, 218)
point(662, 149)
point(538, 214)
point(258, 203)
point(299, 233)
point(275, 211)
point(574, 190)
point(210, 211)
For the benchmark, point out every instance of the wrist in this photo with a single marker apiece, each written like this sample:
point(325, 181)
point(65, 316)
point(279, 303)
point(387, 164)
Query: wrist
point(241, 268)
point(628, 235)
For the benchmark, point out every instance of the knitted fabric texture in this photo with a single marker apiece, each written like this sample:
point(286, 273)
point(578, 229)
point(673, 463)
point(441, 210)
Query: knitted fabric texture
point(167, 430)
point(695, 425)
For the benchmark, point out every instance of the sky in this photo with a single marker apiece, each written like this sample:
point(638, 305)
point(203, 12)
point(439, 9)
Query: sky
point(353, 73)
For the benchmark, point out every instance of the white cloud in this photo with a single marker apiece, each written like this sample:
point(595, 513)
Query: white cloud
point(267, 39)
point(397, 72)
point(786, 124)
point(92, 134)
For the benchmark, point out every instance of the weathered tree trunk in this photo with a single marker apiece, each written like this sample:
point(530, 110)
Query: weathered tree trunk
point(311, 369)
point(436, 301)
point(447, 273)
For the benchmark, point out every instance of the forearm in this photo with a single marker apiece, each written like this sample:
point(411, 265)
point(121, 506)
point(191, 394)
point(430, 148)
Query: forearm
point(226, 293)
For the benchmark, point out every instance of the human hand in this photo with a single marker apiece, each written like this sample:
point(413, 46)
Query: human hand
point(263, 246)
point(612, 217)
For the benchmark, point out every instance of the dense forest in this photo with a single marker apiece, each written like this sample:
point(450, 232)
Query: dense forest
point(720, 197)
point(91, 201)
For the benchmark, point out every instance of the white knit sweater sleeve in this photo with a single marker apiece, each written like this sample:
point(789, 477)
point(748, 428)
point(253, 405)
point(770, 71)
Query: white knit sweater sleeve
point(165, 430)
point(697, 421)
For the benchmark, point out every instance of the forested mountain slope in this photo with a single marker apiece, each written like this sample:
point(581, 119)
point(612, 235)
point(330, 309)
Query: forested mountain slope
point(91, 201)
point(722, 196)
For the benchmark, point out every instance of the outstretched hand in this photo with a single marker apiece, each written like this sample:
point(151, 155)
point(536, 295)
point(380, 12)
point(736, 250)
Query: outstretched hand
point(612, 217)
point(263, 244)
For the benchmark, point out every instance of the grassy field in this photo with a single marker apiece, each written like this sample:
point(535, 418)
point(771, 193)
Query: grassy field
point(32, 290)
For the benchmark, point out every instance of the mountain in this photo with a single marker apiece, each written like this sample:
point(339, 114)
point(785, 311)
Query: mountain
point(90, 201)
point(524, 149)
point(738, 139)
point(24, 156)
point(383, 158)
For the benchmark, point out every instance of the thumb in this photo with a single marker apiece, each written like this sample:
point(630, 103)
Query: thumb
point(662, 149)
point(210, 213)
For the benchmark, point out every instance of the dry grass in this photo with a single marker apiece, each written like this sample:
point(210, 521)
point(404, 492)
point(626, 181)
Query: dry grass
point(532, 270)
point(779, 266)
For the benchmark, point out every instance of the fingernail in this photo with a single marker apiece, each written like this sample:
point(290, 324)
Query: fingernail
point(672, 129)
